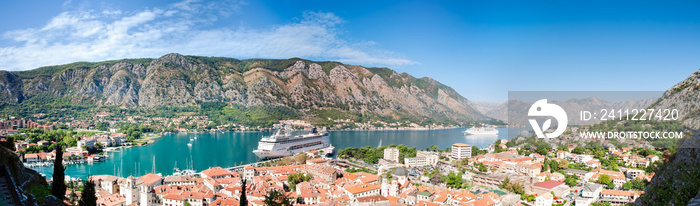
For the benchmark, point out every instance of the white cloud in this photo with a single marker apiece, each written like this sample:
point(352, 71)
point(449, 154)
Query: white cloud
point(187, 28)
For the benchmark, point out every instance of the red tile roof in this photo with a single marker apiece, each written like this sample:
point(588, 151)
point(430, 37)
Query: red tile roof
point(549, 184)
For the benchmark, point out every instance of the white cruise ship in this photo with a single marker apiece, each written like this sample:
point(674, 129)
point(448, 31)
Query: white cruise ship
point(481, 131)
point(283, 144)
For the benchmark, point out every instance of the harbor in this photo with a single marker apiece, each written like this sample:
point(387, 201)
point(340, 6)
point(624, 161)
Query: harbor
point(232, 149)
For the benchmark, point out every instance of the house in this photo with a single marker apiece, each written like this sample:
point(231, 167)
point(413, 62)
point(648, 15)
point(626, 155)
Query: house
point(362, 190)
point(617, 196)
point(633, 173)
point(582, 158)
point(29, 158)
point(561, 154)
point(216, 173)
point(581, 174)
point(43, 143)
point(329, 174)
point(372, 200)
point(591, 190)
point(652, 158)
point(545, 199)
point(592, 163)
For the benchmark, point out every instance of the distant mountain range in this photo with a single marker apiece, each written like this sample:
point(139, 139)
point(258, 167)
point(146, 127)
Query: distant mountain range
point(520, 108)
point(175, 80)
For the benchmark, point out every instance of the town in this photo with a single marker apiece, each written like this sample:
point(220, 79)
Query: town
point(522, 171)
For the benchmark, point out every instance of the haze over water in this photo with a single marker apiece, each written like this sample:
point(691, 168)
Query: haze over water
point(229, 148)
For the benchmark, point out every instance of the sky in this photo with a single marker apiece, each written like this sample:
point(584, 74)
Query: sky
point(482, 49)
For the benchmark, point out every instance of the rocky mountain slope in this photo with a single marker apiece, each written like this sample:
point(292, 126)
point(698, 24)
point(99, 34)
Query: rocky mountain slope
point(677, 181)
point(685, 97)
point(176, 80)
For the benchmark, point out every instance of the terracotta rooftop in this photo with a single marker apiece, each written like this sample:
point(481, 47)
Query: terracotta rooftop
point(362, 188)
point(216, 172)
point(549, 184)
point(150, 178)
point(373, 198)
point(617, 192)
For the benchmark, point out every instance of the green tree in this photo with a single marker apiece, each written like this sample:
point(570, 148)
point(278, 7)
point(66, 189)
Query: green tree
point(570, 180)
point(295, 179)
point(627, 185)
point(40, 191)
point(453, 180)
point(604, 179)
point(58, 187)
point(482, 167)
point(578, 150)
point(88, 197)
point(497, 146)
point(563, 164)
point(277, 198)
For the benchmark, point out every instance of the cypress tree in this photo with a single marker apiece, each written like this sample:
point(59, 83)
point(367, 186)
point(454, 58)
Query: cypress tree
point(58, 187)
point(243, 199)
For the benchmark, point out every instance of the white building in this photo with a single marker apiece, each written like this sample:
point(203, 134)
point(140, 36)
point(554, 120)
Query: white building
point(461, 151)
point(415, 162)
point(391, 153)
point(583, 158)
point(633, 173)
point(87, 141)
point(430, 157)
point(545, 199)
point(591, 190)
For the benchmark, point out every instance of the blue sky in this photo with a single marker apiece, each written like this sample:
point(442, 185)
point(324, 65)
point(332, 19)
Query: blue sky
point(482, 49)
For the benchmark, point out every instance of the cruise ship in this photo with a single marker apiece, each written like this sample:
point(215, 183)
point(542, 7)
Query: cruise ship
point(282, 143)
point(481, 131)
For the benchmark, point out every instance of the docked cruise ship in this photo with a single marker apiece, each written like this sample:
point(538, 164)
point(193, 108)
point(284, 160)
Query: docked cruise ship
point(282, 143)
point(481, 131)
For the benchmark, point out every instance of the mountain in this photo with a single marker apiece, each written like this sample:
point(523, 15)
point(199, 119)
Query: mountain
point(519, 108)
point(175, 80)
point(677, 181)
point(685, 97)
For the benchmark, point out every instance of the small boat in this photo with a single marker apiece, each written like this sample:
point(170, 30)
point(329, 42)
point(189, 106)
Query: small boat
point(189, 144)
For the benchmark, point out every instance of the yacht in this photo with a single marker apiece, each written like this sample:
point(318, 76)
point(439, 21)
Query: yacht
point(481, 131)
point(282, 143)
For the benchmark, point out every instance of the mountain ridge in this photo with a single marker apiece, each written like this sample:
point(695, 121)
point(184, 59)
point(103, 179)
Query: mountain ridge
point(175, 80)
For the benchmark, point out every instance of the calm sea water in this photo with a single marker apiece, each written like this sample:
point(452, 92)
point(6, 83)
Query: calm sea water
point(227, 149)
